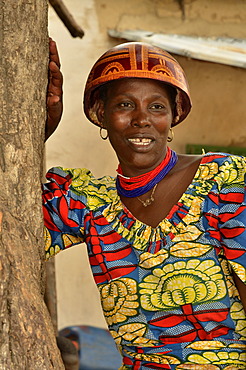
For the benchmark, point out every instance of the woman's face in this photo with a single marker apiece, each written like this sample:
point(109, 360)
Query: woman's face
point(138, 115)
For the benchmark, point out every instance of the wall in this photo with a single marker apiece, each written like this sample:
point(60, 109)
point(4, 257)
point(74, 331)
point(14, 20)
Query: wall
point(217, 116)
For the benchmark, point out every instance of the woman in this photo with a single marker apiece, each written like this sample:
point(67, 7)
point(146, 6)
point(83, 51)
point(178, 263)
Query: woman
point(166, 238)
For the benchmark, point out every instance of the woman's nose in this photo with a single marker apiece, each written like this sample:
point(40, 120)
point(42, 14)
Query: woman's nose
point(140, 118)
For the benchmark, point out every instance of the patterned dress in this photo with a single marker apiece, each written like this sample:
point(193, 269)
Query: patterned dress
point(167, 292)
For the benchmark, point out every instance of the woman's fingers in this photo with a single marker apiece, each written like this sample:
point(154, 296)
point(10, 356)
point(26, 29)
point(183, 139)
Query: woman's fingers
point(54, 56)
point(55, 79)
point(54, 91)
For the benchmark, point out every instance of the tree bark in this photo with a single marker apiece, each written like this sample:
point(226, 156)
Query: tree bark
point(50, 293)
point(27, 339)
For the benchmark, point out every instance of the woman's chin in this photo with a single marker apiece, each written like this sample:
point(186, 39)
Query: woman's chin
point(139, 165)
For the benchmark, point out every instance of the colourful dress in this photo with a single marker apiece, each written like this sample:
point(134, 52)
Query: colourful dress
point(167, 292)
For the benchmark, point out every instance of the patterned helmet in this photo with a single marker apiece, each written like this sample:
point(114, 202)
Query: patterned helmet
point(137, 60)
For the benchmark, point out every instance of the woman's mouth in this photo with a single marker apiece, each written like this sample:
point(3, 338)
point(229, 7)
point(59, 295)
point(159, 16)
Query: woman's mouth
point(143, 141)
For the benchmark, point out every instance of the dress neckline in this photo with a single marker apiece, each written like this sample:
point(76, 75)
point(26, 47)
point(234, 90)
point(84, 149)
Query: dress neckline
point(182, 216)
point(173, 209)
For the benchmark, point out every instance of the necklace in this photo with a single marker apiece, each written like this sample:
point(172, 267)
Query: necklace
point(132, 187)
point(150, 200)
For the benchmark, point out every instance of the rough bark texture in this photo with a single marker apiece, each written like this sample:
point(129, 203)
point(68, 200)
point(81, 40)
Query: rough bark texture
point(27, 338)
point(50, 293)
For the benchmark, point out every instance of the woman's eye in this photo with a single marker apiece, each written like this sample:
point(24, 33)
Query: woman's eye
point(157, 106)
point(125, 104)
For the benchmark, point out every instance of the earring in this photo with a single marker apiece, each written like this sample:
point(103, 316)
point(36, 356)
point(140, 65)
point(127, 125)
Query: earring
point(170, 138)
point(103, 137)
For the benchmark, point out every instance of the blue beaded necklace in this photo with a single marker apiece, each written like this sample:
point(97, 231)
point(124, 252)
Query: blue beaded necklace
point(132, 187)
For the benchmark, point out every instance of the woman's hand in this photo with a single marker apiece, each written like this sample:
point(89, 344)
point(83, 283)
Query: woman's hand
point(54, 91)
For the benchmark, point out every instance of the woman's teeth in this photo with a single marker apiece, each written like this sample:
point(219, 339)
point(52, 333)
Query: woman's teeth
point(140, 141)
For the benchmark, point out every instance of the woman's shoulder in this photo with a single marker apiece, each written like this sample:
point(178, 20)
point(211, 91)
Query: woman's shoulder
point(223, 167)
point(82, 182)
point(212, 157)
point(75, 174)
point(226, 162)
point(222, 157)
point(69, 177)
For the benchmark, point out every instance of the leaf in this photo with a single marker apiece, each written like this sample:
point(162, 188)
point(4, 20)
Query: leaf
point(239, 270)
point(205, 345)
point(189, 233)
point(186, 249)
point(149, 260)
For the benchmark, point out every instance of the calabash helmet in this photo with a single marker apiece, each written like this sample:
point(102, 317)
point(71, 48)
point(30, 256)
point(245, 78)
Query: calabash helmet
point(137, 60)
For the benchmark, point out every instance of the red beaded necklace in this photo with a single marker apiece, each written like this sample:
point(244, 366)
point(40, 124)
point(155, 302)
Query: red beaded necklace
point(135, 186)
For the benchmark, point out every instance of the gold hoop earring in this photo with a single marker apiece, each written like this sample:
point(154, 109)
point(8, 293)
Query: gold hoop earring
point(170, 138)
point(103, 137)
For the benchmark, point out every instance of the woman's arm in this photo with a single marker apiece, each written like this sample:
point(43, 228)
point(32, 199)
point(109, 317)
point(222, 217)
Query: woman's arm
point(54, 91)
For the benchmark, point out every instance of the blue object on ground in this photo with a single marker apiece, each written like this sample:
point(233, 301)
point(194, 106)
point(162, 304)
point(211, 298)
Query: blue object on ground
point(97, 349)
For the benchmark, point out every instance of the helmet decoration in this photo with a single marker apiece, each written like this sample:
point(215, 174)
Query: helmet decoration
point(137, 60)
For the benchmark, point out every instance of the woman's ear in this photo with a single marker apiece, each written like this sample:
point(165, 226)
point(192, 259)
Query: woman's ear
point(100, 111)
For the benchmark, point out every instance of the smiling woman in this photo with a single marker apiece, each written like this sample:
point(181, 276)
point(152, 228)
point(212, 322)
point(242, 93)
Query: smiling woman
point(137, 115)
point(166, 238)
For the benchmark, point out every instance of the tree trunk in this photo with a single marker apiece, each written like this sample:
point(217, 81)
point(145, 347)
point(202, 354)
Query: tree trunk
point(27, 339)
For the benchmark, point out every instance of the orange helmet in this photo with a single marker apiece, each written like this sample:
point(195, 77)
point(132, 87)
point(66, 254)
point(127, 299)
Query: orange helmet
point(137, 60)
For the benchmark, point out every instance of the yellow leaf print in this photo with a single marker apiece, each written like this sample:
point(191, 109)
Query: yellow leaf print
point(80, 178)
point(182, 283)
point(205, 345)
point(187, 233)
point(119, 300)
point(195, 211)
point(237, 311)
point(96, 190)
point(239, 270)
point(98, 196)
point(187, 249)
point(237, 345)
point(57, 249)
point(47, 239)
point(231, 174)
point(133, 333)
point(240, 324)
point(219, 358)
point(149, 260)
point(52, 251)
point(69, 240)
point(207, 171)
point(232, 290)
point(156, 358)
point(98, 193)
point(197, 367)
point(193, 203)
point(112, 210)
